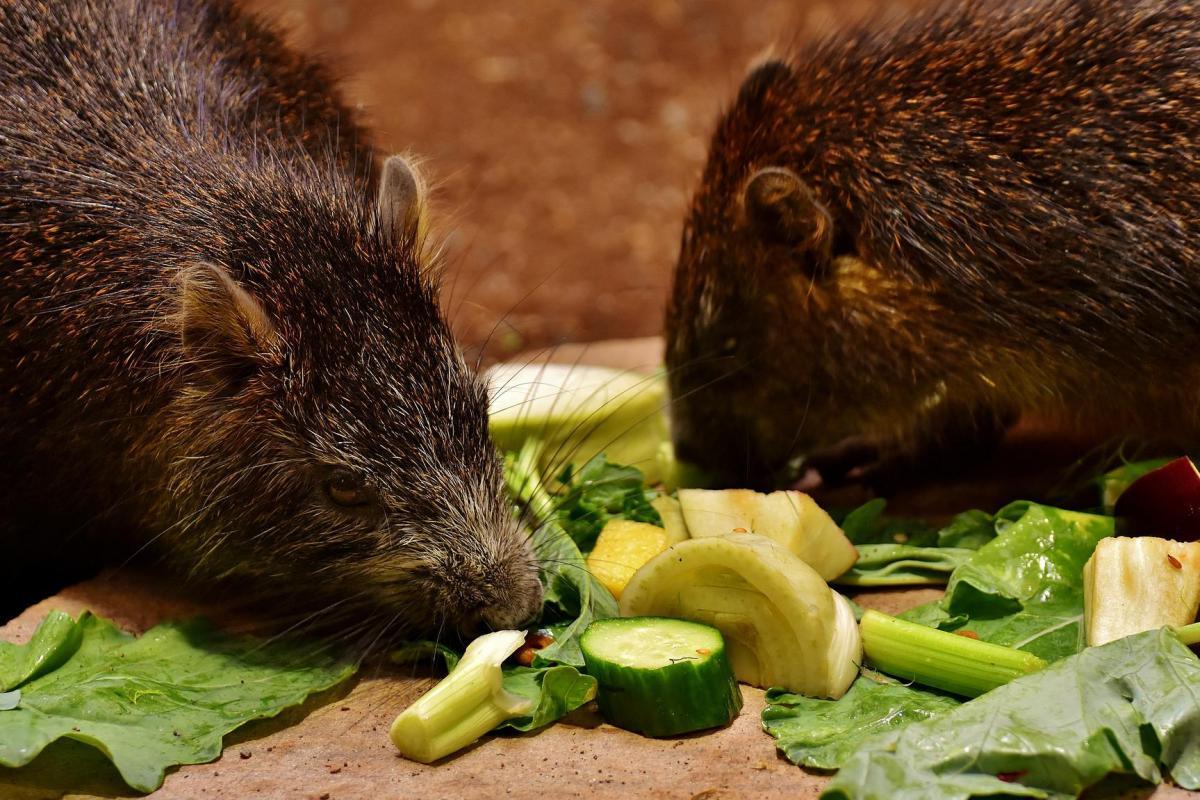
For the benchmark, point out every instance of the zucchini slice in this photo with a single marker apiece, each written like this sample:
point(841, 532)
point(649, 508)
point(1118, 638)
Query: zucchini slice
point(660, 677)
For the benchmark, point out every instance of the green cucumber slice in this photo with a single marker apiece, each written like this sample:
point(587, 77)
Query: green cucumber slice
point(659, 676)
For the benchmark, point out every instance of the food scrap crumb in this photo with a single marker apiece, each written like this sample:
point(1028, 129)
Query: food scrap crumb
point(245, 754)
point(967, 634)
point(740, 530)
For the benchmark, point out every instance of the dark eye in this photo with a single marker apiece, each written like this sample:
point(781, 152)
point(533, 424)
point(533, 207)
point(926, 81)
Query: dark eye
point(346, 490)
point(729, 347)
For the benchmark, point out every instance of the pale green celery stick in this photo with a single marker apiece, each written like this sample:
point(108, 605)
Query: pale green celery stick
point(468, 702)
point(945, 661)
point(1189, 634)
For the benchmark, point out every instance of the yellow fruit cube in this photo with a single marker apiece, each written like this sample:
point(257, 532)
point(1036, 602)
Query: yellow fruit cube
point(621, 549)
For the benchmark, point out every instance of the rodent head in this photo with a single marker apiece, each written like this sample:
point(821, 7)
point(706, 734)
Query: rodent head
point(328, 442)
point(783, 336)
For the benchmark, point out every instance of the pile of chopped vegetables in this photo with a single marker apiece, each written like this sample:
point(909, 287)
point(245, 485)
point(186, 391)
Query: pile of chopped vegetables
point(1058, 655)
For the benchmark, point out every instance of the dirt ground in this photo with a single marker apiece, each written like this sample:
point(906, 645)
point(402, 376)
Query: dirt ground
point(564, 137)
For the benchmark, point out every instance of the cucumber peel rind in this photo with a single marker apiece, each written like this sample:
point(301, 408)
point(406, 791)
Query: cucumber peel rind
point(661, 677)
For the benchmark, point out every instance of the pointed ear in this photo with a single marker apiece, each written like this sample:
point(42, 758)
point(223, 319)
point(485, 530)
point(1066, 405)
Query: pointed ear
point(225, 333)
point(401, 202)
point(781, 208)
point(771, 76)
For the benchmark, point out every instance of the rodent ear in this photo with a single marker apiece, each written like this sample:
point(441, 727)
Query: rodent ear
point(780, 207)
point(401, 202)
point(224, 331)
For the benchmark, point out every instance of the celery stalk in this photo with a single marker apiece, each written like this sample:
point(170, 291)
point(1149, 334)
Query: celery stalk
point(468, 702)
point(946, 661)
point(1189, 634)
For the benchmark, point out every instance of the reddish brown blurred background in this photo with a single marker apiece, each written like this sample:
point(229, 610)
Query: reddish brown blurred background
point(564, 137)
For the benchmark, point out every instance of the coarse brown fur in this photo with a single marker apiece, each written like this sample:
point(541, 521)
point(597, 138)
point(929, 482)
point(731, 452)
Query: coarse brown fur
point(205, 324)
point(1009, 207)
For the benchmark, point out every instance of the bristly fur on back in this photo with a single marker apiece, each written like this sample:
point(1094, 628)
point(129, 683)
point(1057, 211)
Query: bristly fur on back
point(1010, 194)
point(203, 318)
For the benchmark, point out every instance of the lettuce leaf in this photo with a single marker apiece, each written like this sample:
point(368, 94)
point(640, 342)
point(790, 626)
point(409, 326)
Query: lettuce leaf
point(56, 639)
point(1128, 707)
point(903, 565)
point(152, 702)
point(906, 552)
point(1024, 589)
point(823, 734)
point(598, 492)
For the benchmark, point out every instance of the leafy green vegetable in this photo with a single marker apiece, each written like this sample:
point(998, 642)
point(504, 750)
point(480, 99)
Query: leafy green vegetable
point(904, 552)
point(867, 525)
point(597, 492)
point(148, 703)
point(555, 691)
point(823, 734)
point(1128, 707)
point(903, 565)
point(55, 640)
point(1024, 589)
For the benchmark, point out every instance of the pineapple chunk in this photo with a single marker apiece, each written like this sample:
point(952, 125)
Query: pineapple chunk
point(621, 549)
point(1138, 584)
point(672, 517)
point(792, 519)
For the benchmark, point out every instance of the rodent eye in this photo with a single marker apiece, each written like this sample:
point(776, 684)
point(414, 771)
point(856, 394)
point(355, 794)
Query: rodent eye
point(346, 490)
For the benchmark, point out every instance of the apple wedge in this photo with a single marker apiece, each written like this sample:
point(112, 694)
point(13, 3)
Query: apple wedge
point(1135, 584)
point(1163, 502)
point(792, 519)
point(783, 625)
point(672, 517)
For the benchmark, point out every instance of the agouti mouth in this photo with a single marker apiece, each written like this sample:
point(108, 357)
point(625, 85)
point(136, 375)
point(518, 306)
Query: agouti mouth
point(847, 461)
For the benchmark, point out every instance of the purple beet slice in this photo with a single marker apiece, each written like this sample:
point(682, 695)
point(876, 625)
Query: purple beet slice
point(1164, 502)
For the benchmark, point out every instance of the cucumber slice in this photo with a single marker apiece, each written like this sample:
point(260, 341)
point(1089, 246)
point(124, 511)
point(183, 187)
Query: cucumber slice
point(782, 623)
point(660, 677)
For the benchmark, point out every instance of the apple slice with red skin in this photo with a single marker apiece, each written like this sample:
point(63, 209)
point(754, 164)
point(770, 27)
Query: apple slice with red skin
point(1164, 502)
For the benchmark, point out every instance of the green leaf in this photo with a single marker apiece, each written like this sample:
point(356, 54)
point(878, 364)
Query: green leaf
point(55, 640)
point(1128, 707)
point(903, 565)
point(1024, 589)
point(165, 698)
point(823, 734)
point(867, 525)
point(556, 692)
point(598, 492)
point(903, 552)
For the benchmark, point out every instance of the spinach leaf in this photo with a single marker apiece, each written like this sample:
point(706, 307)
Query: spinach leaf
point(900, 552)
point(903, 565)
point(55, 640)
point(1024, 589)
point(1127, 707)
point(823, 734)
point(155, 701)
point(597, 492)
point(556, 691)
